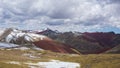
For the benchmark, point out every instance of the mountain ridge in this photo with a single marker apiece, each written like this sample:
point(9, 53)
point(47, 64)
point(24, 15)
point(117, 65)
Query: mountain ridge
point(64, 42)
point(87, 42)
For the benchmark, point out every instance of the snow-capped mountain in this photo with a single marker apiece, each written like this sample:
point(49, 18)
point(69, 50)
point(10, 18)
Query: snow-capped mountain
point(28, 37)
point(14, 35)
point(20, 37)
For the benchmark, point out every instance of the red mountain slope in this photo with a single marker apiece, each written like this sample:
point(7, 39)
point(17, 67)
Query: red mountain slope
point(54, 46)
point(104, 39)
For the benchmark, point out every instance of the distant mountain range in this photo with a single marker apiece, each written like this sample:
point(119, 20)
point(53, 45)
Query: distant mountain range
point(64, 42)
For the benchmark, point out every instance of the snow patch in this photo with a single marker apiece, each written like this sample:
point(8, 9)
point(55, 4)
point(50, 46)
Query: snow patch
point(54, 64)
point(7, 45)
point(13, 62)
point(13, 46)
point(29, 55)
point(22, 48)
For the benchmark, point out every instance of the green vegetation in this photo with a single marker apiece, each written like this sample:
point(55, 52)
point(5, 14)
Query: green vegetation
point(86, 61)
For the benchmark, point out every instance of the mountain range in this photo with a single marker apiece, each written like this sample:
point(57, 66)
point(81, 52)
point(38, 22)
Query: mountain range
point(87, 42)
point(64, 42)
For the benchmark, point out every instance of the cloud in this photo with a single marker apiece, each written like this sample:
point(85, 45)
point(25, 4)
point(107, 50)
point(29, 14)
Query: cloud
point(114, 1)
point(55, 22)
point(63, 15)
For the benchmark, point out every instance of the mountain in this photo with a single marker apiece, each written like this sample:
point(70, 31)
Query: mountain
point(24, 38)
point(48, 32)
point(64, 42)
point(117, 48)
point(87, 43)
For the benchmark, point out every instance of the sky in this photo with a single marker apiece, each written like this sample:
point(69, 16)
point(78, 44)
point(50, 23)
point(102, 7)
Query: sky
point(61, 15)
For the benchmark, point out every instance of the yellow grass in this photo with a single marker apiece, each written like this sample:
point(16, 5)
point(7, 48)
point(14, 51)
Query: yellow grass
point(86, 61)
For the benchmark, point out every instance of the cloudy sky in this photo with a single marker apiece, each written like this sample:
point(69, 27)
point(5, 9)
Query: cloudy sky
point(62, 15)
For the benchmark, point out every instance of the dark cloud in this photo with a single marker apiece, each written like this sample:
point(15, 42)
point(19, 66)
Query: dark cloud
point(114, 1)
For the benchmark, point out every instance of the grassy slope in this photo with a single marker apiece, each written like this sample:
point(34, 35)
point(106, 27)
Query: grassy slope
point(86, 61)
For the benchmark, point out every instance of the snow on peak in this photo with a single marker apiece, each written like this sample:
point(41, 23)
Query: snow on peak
point(30, 37)
point(13, 35)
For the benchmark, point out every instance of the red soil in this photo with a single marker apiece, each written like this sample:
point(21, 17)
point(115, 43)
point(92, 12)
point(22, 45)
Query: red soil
point(54, 46)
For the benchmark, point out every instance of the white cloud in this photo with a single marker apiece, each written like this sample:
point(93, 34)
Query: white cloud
point(64, 15)
point(115, 22)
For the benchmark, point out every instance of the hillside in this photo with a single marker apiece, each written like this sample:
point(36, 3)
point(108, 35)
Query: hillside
point(28, 39)
point(86, 43)
point(114, 50)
